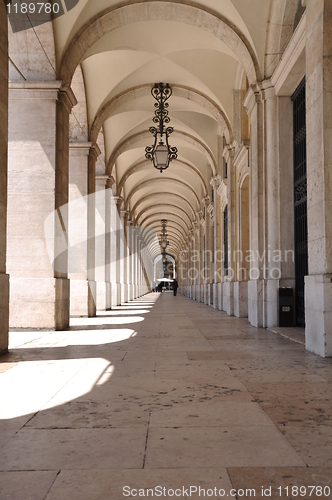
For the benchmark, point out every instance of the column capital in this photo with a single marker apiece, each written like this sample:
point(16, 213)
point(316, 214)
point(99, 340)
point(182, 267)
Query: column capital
point(253, 97)
point(94, 150)
point(110, 182)
point(210, 207)
point(118, 200)
point(124, 214)
point(206, 201)
point(53, 90)
point(268, 90)
point(215, 181)
point(34, 90)
point(85, 148)
point(101, 181)
point(67, 97)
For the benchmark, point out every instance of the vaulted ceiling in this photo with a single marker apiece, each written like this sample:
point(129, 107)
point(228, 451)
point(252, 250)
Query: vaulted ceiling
point(203, 49)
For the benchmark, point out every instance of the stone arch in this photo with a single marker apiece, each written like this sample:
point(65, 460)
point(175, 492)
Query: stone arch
point(183, 223)
point(160, 206)
point(178, 240)
point(173, 195)
point(145, 90)
point(163, 180)
point(171, 227)
point(139, 136)
point(140, 164)
point(151, 10)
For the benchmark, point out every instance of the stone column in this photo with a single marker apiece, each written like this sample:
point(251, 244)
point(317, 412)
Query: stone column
point(114, 247)
point(119, 250)
point(192, 264)
point(130, 243)
point(217, 273)
point(109, 246)
point(207, 251)
point(38, 225)
point(197, 259)
point(78, 228)
point(103, 284)
point(318, 285)
point(279, 199)
point(81, 228)
point(141, 264)
point(4, 278)
point(135, 262)
point(254, 105)
point(124, 257)
point(229, 280)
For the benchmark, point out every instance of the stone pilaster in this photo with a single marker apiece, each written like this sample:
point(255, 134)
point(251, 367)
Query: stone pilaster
point(130, 244)
point(254, 105)
point(109, 202)
point(114, 247)
point(124, 256)
point(207, 252)
point(103, 284)
point(4, 278)
point(38, 252)
point(228, 286)
point(216, 278)
point(279, 209)
point(119, 237)
point(318, 285)
point(197, 255)
point(135, 262)
point(78, 230)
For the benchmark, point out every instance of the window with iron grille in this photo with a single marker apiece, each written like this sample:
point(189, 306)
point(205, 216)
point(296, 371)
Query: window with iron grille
point(300, 200)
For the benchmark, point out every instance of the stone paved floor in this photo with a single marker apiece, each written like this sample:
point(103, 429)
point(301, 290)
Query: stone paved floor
point(167, 392)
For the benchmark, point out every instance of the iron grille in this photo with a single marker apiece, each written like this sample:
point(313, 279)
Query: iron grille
point(300, 200)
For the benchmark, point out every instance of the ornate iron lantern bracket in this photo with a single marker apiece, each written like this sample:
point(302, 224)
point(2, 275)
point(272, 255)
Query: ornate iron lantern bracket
point(161, 153)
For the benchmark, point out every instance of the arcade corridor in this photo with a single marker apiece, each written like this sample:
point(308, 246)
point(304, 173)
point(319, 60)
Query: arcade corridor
point(161, 391)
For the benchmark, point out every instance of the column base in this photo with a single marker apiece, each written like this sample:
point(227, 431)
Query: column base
point(211, 295)
point(82, 298)
point(39, 303)
point(206, 294)
point(118, 295)
point(201, 293)
point(241, 299)
point(103, 296)
point(256, 303)
point(228, 297)
point(4, 313)
point(318, 314)
point(220, 296)
point(124, 293)
point(215, 295)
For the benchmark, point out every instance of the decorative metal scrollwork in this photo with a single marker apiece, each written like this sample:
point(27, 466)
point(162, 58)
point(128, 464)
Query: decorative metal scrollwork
point(161, 153)
point(300, 191)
